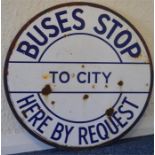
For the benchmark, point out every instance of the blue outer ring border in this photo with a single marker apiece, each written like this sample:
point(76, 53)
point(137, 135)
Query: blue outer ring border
point(14, 43)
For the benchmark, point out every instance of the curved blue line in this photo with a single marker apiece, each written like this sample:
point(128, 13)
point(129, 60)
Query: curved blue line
point(80, 34)
point(71, 120)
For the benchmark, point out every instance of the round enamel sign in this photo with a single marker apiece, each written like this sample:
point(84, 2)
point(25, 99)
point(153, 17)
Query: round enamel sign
point(78, 75)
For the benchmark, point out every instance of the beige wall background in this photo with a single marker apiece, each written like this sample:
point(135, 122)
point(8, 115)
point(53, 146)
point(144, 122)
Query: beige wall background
point(15, 13)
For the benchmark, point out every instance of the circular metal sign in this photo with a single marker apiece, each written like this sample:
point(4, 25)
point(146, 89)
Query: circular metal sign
point(78, 75)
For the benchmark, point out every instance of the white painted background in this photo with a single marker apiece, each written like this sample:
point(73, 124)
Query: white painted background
point(15, 13)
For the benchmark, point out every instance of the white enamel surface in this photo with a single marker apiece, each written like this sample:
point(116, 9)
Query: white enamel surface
point(83, 49)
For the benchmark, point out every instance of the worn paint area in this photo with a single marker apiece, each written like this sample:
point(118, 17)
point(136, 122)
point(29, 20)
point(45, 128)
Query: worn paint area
point(46, 76)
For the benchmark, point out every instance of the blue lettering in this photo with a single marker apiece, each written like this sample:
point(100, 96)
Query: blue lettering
point(44, 37)
point(96, 76)
point(77, 18)
point(62, 21)
point(82, 135)
point(79, 77)
point(53, 75)
point(66, 75)
point(133, 50)
point(111, 126)
point(31, 109)
point(113, 29)
point(47, 26)
point(92, 134)
point(37, 117)
point(26, 101)
point(119, 119)
point(129, 103)
point(119, 36)
point(29, 50)
point(102, 131)
point(106, 76)
point(68, 132)
point(44, 123)
point(57, 133)
point(103, 26)
point(123, 111)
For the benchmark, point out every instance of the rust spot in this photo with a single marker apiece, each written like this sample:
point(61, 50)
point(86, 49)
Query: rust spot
point(65, 35)
point(106, 86)
point(52, 102)
point(109, 112)
point(73, 75)
point(83, 66)
point(46, 90)
point(93, 86)
point(147, 84)
point(45, 76)
point(120, 83)
point(85, 97)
